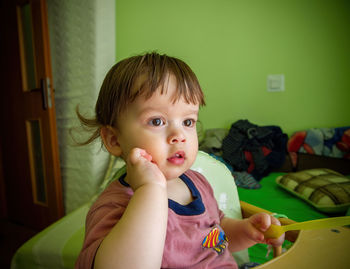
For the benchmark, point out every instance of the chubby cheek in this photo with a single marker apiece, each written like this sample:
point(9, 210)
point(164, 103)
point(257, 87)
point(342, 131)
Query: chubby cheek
point(158, 153)
point(152, 146)
point(191, 157)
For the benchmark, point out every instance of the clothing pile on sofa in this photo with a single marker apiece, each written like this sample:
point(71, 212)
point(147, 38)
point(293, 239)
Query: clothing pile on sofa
point(332, 142)
point(251, 151)
point(248, 150)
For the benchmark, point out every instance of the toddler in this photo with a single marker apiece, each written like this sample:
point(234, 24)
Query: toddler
point(160, 214)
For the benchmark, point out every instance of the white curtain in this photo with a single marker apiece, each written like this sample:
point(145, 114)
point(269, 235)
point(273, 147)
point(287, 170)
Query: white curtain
point(82, 41)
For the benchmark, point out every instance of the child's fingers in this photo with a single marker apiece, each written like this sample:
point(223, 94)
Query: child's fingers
point(145, 155)
point(141, 170)
point(275, 221)
point(257, 236)
point(277, 241)
point(261, 221)
point(133, 156)
point(136, 154)
point(251, 231)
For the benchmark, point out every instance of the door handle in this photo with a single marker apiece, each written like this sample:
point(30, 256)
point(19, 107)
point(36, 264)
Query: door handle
point(45, 86)
point(45, 89)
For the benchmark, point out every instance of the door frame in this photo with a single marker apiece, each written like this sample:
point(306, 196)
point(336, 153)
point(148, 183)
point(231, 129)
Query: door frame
point(13, 66)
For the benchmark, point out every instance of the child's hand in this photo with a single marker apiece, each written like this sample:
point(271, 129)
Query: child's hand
point(258, 224)
point(141, 170)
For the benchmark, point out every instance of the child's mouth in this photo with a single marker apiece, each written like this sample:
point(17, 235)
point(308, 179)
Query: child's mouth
point(178, 158)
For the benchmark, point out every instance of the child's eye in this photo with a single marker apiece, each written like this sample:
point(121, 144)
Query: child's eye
point(189, 122)
point(156, 122)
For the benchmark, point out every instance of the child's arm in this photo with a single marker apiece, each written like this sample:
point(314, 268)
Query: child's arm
point(137, 240)
point(245, 233)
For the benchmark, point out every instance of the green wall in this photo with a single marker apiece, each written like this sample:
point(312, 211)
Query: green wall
point(232, 45)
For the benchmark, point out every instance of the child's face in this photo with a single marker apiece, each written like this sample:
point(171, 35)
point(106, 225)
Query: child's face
point(166, 130)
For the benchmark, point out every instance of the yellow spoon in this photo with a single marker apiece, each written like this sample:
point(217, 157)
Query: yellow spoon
point(276, 231)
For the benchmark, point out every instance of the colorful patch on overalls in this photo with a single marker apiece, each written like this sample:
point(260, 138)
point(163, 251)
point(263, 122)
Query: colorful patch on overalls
point(216, 240)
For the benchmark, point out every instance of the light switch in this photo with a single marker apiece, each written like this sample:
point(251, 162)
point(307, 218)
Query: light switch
point(275, 83)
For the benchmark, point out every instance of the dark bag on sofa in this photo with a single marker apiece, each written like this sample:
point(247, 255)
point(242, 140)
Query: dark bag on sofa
point(249, 147)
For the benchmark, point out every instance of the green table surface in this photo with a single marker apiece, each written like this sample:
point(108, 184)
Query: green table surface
point(275, 199)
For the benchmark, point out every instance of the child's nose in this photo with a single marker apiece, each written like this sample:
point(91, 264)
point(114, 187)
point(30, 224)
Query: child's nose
point(176, 137)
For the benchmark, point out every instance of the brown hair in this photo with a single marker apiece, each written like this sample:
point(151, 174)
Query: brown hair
point(135, 76)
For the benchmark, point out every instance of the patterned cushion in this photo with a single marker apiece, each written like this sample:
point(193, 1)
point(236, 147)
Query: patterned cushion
point(325, 189)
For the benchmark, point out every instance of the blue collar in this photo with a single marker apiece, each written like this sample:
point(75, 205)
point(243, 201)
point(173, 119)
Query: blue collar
point(196, 207)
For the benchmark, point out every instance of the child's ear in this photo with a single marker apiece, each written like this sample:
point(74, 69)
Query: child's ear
point(110, 140)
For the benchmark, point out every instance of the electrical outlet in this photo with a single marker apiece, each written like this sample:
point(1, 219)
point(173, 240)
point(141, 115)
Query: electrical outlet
point(275, 83)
